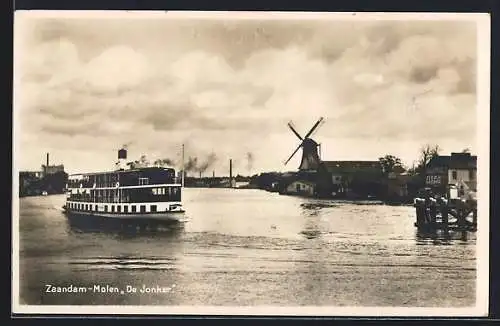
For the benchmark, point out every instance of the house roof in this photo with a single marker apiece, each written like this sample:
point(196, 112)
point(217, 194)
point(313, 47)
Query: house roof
point(454, 161)
point(349, 166)
point(463, 161)
point(29, 172)
point(439, 161)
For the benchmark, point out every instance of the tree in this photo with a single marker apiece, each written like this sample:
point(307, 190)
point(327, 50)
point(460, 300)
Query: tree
point(412, 170)
point(391, 163)
point(427, 152)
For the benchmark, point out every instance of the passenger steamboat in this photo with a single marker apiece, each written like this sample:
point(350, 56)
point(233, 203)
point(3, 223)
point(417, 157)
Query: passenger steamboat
point(128, 193)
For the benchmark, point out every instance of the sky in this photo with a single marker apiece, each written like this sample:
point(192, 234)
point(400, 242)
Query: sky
point(226, 88)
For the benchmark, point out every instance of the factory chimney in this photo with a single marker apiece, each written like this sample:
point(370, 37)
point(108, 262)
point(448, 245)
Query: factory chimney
point(213, 174)
point(46, 167)
point(230, 173)
point(200, 174)
point(183, 175)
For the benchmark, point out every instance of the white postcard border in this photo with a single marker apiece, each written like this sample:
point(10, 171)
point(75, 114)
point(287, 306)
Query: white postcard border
point(482, 244)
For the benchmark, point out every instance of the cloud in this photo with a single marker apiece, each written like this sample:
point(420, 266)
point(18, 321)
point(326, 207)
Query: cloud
point(115, 68)
point(224, 84)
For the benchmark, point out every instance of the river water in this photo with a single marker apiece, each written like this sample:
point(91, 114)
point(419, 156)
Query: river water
point(248, 247)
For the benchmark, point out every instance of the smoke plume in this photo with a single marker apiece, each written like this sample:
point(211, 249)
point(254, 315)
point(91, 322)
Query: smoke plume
point(191, 164)
point(164, 162)
point(143, 160)
point(208, 162)
point(194, 164)
point(140, 163)
point(126, 145)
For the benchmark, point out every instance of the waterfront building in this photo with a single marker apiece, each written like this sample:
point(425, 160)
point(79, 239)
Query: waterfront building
point(457, 169)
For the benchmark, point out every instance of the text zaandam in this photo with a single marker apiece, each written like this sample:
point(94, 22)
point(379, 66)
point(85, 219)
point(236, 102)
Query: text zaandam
point(49, 288)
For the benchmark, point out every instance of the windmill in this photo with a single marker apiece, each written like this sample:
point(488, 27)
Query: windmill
point(310, 158)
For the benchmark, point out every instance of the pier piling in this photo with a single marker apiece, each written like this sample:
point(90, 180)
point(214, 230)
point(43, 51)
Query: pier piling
point(230, 173)
point(434, 214)
point(462, 212)
point(444, 213)
point(420, 210)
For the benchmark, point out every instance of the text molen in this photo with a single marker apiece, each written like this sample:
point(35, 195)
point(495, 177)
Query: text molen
point(105, 289)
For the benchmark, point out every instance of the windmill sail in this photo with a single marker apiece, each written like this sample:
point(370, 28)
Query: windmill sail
point(313, 129)
point(296, 150)
point(290, 125)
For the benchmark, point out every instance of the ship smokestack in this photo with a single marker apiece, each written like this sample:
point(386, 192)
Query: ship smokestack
point(230, 173)
point(122, 159)
point(122, 154)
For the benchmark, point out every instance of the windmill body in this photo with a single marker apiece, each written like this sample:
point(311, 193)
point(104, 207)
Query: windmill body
point(310, 158)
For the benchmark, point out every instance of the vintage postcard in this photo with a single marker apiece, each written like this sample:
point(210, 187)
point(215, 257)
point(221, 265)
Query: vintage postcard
point(256, 163)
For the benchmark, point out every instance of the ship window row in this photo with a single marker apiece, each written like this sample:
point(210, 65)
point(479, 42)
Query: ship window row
point(157, 194)
point(111, 183)
point(113, 208)
point(129, 178)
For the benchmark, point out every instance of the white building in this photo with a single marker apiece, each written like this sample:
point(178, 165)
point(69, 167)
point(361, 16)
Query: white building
point(458, 169)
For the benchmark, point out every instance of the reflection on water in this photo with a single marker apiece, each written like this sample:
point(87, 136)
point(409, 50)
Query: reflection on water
point(125, 262)
point(312, 228)
point(443, 237)
point(311, 212)
point(314, 207)
point(124, 228)
point(248, 247)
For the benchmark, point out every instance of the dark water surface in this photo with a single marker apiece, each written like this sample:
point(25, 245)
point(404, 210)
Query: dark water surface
point(248, 247)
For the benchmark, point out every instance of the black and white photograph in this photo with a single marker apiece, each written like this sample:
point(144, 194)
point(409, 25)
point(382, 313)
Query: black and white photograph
point(251, 163)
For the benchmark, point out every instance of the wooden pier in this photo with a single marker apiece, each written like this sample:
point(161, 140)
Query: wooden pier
point(446, 214)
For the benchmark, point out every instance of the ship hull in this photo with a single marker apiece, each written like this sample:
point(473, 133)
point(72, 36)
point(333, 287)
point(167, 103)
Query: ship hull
point(173, 216)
